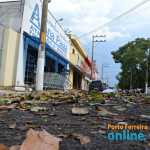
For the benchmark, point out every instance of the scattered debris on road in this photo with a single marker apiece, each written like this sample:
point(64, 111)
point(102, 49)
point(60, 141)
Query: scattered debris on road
point(61, 114)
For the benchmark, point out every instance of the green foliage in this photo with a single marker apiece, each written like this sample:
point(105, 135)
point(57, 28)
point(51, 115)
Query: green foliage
point(2, 102)
point(94, 92)
point(98, 97)
point(132, 57)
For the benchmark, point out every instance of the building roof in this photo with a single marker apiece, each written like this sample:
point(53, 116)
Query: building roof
point(77, 43)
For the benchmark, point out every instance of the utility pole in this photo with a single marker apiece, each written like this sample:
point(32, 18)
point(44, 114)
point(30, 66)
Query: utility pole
point(146, 83)
point(92, 57)
point(104, 65)
point(101, 36)
point(41, 52)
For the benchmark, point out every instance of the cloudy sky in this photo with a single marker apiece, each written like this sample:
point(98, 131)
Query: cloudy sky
point(83, 16)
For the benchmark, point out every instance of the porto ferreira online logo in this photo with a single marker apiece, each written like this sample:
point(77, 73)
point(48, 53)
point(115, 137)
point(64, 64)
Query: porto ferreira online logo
point(127, 132)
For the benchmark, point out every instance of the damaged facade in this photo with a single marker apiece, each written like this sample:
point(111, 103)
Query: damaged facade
point(19, 43)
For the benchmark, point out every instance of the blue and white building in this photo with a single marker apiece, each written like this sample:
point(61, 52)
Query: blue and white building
point(25, 20)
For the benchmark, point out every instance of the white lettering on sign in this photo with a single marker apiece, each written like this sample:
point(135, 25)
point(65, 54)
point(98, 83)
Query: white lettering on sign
point(55, 36)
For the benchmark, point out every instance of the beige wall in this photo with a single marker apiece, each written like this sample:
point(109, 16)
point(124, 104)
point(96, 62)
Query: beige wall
point(9, 60)
point(77, 53)
point(74, 59)
point(70, 78)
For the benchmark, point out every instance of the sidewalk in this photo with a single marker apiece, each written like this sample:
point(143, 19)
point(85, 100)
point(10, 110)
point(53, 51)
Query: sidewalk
point(2, 92)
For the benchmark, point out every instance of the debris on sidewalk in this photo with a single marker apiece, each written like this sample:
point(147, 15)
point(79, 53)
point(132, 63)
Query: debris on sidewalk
point(84, 139)
point(39, 140)
point(79, 111)
point(61, 114)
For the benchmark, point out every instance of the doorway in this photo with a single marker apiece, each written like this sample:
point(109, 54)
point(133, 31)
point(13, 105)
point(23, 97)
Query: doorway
point(31, 65)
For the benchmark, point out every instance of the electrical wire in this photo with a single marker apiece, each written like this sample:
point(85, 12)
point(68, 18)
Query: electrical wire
point(131, 15)
point(116, 19)
point(89, 7)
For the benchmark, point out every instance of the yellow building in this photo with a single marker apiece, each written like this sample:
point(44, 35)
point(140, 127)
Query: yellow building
point(9, 58)
point(77, 56)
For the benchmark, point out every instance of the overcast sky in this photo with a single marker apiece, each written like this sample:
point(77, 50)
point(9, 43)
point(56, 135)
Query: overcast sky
point(82, 16)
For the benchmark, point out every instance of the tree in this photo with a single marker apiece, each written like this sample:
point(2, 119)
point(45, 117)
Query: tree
point(132, 57)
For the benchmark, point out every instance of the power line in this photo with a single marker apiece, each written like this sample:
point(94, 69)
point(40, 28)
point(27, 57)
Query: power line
point(117, 18)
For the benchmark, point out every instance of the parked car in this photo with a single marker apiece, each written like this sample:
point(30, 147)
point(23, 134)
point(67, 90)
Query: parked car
point(133, 90)
point(142, 90)
point(111, 87)
point(120, 90)
point(96, 85)
point(138, 90)
point(148, 90)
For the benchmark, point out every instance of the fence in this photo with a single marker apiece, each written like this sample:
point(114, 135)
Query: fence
point(55, 81)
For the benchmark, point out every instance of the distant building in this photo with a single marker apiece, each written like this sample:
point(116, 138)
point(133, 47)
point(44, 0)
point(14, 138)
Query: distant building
point(95, 70)
point(80, 77)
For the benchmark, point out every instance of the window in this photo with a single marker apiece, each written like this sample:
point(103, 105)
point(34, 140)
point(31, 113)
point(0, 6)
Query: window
point(50, 65)
point(60, 68)
point(73, 51)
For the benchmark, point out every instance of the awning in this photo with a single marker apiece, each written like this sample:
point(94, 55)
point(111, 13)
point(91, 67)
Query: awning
point(47, 47)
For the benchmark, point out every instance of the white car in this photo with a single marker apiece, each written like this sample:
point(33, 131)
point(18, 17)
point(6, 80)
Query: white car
point(148, 90)
point(138, 90)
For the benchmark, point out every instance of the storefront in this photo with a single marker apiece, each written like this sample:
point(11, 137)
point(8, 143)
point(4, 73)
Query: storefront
point(80, 77)
point(57, 45)
point(54, 63)
point(22, 43)
point(86, 69)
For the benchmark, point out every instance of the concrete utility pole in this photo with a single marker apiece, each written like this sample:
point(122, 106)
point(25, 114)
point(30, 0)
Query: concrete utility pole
point(104, 65)
point(146, 83)
point(92, 57)
point(101, 36)
point(41, 52)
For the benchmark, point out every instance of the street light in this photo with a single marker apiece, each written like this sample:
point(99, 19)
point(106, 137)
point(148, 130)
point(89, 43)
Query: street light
point(60, 19)
point(67, 31)
point(104, 65)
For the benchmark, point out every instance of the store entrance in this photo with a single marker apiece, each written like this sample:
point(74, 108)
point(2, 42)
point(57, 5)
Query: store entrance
point(76, 80)
point(31, 65)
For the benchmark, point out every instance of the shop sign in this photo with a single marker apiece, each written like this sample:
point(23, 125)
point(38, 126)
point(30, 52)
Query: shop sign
point(55, 36)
